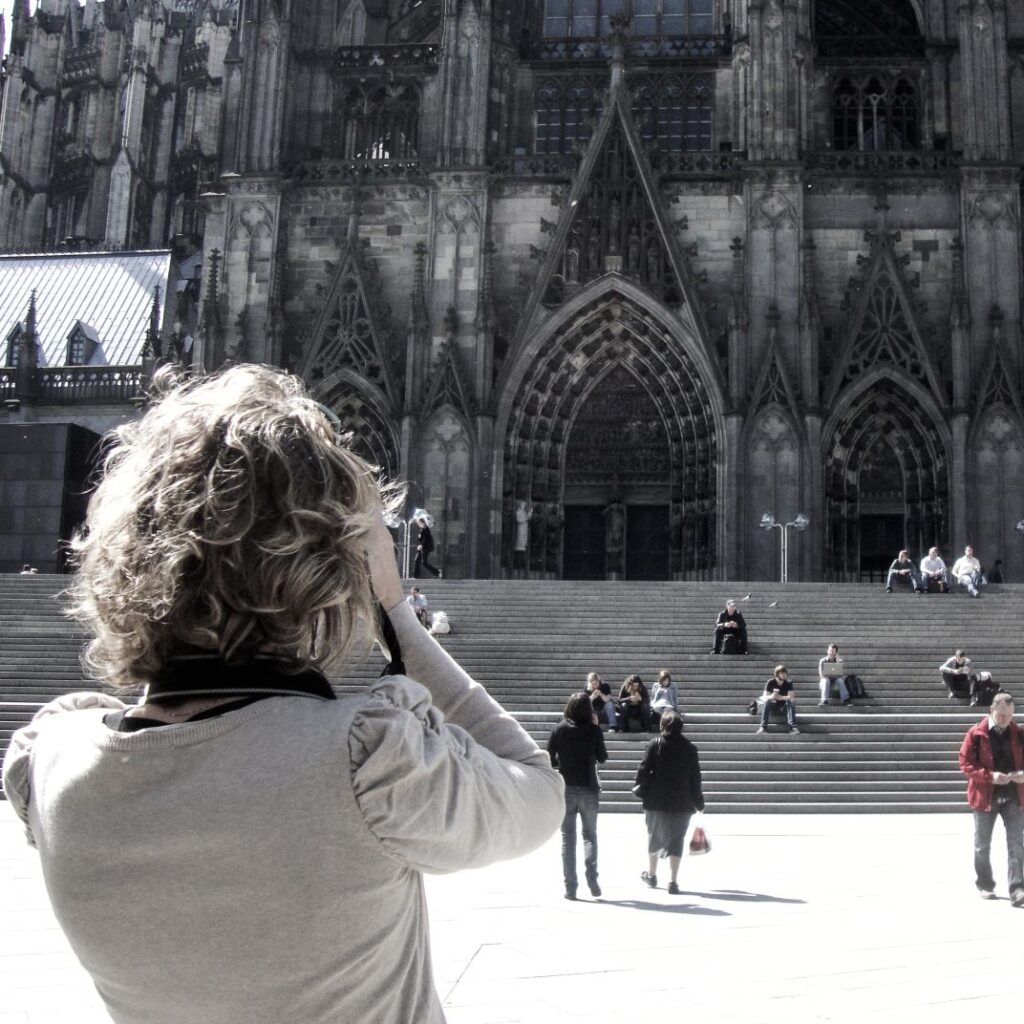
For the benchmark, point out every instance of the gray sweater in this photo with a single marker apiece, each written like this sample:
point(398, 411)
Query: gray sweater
point(264, 866)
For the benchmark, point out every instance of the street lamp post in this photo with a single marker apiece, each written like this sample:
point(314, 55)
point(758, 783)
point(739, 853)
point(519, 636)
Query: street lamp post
point(801, 522)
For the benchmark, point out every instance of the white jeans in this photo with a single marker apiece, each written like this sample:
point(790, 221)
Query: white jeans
point(825, 683)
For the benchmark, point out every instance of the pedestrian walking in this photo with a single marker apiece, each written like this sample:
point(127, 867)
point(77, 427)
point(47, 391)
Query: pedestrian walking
point(670, 786)
point(576, 747)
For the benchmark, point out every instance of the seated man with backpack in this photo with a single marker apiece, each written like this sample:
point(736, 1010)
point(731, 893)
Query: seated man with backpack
point(779, 696)
point(963, 682)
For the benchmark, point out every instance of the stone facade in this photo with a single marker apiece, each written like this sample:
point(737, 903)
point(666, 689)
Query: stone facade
point(655, 276)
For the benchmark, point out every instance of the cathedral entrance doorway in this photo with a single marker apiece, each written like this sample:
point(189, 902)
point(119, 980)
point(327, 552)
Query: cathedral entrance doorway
point(887, 483)
point(646, 554)
point(612, 444)
point(881, 536)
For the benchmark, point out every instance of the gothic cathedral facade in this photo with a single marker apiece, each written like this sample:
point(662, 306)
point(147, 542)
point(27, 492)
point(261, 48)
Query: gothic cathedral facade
point(604, 281)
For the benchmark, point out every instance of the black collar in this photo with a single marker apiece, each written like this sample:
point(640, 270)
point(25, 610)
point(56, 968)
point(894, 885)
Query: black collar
point(206, 674)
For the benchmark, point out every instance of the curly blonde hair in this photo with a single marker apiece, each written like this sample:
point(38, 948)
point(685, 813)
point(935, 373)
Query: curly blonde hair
point(229, 519)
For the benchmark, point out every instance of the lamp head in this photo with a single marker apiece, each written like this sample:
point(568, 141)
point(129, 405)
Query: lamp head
point(767, 521)
point(801, 522)
point(1020, 526)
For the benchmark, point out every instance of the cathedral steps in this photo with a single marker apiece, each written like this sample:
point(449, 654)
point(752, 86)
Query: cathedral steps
point(533, 642)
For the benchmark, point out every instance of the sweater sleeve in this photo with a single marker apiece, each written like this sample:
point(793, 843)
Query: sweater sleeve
point(445, 778)
point(18, 759)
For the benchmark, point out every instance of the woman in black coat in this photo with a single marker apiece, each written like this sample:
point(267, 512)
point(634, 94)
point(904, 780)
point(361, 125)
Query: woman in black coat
point(670, 776)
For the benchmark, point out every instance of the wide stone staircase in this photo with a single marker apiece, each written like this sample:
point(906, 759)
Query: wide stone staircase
point(532, 643)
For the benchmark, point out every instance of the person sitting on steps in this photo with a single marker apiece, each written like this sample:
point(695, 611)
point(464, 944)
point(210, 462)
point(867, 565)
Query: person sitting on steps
point(967, 572)
point(903, 570)
point(828, 667)
point(664, 695)
point(634, 704)
point(600, 694)
point(933, 570)
point(419, 606)
point(961, 681)
point(730, 631)
point(778, 694)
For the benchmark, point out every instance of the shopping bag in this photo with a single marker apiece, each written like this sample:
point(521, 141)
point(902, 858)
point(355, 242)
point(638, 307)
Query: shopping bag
point(699, 842)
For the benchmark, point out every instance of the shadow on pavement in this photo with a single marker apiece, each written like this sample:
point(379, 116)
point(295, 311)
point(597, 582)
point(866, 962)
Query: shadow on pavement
point(667, 908)
point(739, 896)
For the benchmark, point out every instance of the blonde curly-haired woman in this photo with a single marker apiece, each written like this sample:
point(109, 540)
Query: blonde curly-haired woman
point(242, 846)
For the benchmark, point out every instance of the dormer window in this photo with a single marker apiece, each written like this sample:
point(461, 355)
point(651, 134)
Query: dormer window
point(82, 344)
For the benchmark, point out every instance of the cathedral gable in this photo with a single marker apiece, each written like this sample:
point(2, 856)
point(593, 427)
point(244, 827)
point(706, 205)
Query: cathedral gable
point(446, 386)
point(348, 334)
point(884, 330)
point(997, 386)
point(614, 222)
point(772, 386)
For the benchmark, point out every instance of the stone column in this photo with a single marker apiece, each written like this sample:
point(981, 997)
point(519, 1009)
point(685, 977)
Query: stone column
point(466, 82)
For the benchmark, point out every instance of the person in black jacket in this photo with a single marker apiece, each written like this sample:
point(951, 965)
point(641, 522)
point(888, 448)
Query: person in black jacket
point(634, 703)
point(424, 549)
point(670, 771)
point(576, 747)
point(730, 622)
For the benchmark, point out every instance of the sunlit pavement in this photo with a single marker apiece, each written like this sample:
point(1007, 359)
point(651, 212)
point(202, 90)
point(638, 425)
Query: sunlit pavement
point(790, 918)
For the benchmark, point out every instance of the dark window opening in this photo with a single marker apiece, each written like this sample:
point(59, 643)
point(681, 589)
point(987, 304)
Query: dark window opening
point(875, 112)
point(380, 123)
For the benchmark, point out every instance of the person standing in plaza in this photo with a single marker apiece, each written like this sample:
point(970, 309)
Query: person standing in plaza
point(992, 758)
point(424, 549)
point(576, 747)
point(245, 845)
point(670, 781)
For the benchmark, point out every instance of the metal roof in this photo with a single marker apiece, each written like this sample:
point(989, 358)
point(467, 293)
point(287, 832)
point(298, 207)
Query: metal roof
point(109, 293)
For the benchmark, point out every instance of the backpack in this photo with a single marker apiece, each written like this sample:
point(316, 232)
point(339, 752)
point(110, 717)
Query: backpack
point(855, 686)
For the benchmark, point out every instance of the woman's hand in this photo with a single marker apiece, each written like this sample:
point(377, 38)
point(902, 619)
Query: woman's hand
point(380, 555)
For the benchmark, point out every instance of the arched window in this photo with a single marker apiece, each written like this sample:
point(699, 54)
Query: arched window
point(874, 112)
point(380, 122)
point(587, 19)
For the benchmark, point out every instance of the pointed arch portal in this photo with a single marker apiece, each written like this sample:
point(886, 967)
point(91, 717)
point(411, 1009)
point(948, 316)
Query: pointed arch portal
point(886, 483)
point(612, 442)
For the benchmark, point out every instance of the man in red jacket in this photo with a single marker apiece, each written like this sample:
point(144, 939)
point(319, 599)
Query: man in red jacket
point(992, 758)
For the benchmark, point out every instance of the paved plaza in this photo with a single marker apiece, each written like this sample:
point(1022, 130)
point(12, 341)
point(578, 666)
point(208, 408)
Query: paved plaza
point(791, 918)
